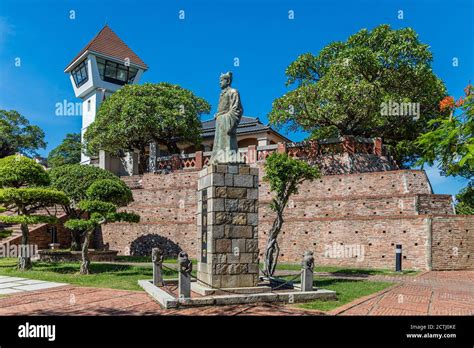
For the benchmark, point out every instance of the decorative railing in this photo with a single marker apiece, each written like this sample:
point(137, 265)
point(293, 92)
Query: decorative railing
point(299, 150)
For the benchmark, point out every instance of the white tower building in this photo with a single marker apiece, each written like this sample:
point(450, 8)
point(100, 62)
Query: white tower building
point(104, 65)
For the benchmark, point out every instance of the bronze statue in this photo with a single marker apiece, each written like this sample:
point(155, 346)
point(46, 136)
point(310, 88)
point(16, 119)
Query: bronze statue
point(229, 113)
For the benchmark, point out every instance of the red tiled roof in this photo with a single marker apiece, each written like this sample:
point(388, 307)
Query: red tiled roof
point(108, 43)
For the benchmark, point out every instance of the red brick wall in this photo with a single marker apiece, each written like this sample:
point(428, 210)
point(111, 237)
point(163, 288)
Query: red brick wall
point(453, 242)
point(41, 236)
point(353, 209)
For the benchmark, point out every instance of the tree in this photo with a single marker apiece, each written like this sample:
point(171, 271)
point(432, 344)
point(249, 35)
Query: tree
point(465, 200)
point(74, 180)
point(450, 144)
point(100, 207)
point(450, 139)
point(346, 89)
point(68, 152)
point(18, 136)
point(136, 115)
point(284, 174)
point(22, 191)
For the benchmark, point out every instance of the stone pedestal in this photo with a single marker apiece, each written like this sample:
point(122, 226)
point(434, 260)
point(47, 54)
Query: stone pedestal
point(227, 226)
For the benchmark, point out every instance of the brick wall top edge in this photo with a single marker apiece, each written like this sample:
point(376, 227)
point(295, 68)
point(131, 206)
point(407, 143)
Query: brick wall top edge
point(194, 171)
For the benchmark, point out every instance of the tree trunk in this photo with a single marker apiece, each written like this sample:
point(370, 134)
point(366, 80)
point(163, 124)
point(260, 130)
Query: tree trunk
point(75, 241)
point(272, 249)
point(24, 258)
point(85, 265)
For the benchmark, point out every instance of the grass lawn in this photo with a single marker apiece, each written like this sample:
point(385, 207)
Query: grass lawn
point(102, 275)
point(346, 270)
point(347, 291)
point(125, 277)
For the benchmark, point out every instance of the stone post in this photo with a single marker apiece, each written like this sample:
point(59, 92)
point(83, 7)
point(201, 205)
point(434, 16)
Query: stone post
point(252, 154)
point(199, 160)
point(157, 260)
point(307, 269)
point(281, 148)
point(227, 226)
point(378, 146)
point(184, 280)
point(152, 158)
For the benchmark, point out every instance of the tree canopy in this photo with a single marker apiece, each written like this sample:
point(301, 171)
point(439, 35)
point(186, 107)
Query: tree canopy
point(18, 136)
point(136, 115)
point(103, 198)
point(343, 90)
point(22, 191)
point(450, 139)
point(68, 152)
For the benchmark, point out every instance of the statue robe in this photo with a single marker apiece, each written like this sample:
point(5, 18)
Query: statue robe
point(229, 113)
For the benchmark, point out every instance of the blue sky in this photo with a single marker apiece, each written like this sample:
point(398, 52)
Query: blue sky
point(194, 51)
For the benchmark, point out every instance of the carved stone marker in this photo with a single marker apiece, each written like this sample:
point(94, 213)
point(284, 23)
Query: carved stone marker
point(184, 280)
point(227, 226)
point(157, 260)
point(307, 268)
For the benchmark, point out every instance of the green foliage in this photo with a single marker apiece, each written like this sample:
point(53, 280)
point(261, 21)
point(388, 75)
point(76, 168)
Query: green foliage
point(18, 136)
point(450, 140)
point(100, 207)
point(341, 90)
point(135, 115)
point(75, 179)
point(68, 152)
point(465, 200)
point(24, 197)
point(123, 217)
point(113, 191)
point(18, 171)
point(285, 174)
point(28, 219)
point(80, 225)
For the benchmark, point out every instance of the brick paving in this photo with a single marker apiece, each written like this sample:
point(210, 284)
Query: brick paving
point(431, 293)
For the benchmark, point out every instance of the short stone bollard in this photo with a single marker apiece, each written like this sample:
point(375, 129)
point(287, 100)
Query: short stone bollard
point(157, 260)
point(307, 269)
point(184, 281)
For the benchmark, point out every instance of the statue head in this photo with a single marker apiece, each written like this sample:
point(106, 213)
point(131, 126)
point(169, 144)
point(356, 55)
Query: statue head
point(226, 79)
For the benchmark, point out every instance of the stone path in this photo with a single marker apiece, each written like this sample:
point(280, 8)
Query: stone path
point(74, 300)
point(431, 293)
point(12, 285)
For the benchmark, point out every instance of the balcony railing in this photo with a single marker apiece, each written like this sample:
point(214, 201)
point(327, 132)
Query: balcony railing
point(300, 150)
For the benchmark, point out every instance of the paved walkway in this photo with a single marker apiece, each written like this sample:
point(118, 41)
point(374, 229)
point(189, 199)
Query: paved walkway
point(432, 293)
point(12, 285)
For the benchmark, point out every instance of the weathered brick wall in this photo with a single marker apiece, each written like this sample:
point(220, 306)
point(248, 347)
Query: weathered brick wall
point(353, 209)
point(453, 242)
point(41, 236)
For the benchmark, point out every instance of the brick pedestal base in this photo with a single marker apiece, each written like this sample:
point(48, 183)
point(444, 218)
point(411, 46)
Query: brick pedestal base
point(227, 226)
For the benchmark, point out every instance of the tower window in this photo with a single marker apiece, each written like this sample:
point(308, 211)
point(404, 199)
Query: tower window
point(113, 72)
point(80, 74)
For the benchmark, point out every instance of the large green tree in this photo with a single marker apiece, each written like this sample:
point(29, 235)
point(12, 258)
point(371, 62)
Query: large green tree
point(136, 115)
point(68, 152)
point(17, 135)
point(22, 191)
point(74, 180)
point(345, 88)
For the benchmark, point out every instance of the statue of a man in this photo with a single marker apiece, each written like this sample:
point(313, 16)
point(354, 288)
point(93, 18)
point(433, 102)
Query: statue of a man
point(229, 113)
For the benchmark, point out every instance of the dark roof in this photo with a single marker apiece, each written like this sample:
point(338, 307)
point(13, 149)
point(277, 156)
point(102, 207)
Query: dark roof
point(247, 125)
point(106, 42)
